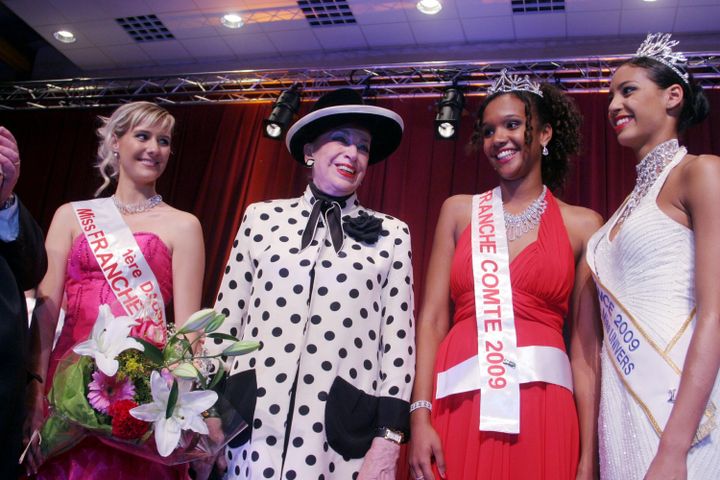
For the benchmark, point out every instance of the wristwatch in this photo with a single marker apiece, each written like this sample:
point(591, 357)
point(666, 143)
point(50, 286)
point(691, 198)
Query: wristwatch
point(390, 434)
point(8, 203)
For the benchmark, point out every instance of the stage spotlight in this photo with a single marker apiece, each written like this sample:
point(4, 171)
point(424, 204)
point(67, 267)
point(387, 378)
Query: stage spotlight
point(64, 36)
point(282, 113)
point(447, 121)
point(429, 7)
point(232, 20)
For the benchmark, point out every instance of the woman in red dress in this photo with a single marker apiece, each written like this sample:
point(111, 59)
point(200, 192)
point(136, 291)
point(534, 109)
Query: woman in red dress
point(527, 131)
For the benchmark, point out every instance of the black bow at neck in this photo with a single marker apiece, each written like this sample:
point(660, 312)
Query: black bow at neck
point(330, 208)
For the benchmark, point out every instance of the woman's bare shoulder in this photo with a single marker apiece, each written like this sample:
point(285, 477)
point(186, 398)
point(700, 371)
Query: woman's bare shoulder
point(179, 222)
point(579, 220)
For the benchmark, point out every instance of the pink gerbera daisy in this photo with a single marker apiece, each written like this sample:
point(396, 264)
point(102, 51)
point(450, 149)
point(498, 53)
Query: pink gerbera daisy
point(104, 390)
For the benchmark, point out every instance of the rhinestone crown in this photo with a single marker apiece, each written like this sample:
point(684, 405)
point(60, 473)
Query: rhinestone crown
point(507, 82)
point(658, 46)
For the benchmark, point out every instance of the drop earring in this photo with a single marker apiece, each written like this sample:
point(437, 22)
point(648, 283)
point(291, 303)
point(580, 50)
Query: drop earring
point(545, 151)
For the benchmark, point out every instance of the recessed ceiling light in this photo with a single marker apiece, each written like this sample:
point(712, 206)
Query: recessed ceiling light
point(64, 36)
point(232, 20)
point(429, 7)
point(649, 1)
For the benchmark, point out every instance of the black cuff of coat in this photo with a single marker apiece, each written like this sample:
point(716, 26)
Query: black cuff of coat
point(394, 413)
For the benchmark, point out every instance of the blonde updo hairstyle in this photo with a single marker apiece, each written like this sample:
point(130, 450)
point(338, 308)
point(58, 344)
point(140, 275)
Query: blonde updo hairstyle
point(122, 120)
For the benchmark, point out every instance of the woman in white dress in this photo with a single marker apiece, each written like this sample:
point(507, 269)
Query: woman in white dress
point(656, 263)
point(326, 286)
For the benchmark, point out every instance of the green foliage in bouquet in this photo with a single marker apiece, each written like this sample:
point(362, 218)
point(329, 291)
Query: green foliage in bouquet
point(120, 385)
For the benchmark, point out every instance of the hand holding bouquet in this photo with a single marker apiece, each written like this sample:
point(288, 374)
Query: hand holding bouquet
point(147, 395)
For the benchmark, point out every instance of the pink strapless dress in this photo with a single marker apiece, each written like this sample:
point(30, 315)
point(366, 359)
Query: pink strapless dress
point(86, 289)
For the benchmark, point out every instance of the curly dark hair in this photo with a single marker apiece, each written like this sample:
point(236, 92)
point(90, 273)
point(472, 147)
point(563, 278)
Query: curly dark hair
point(553, 108)
point(695, 104)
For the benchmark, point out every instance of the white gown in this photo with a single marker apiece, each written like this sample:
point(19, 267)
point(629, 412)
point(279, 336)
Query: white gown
point(650, 267)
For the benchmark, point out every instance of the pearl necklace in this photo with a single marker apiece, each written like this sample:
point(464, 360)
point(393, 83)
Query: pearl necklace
point(151, 202)
point(648, 170)
point(519, 224)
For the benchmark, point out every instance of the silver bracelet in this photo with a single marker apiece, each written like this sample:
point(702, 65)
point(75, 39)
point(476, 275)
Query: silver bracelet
point(420, 404)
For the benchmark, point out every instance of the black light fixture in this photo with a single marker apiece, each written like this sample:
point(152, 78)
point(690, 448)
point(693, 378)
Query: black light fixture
point(447, 120)
point(282, 113)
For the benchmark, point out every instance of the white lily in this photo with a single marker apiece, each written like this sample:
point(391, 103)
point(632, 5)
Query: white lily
point(187, 413)
point(198, 320)
point(109, 337)
point(185, 370)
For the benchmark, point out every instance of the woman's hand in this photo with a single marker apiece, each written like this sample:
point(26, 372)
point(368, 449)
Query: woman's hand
point(586, 471)
point(380, 461)
point(9, 163)
point(424, 447)
point(432, 327)
point(203, 468)
point(668, 466)
point(35, 406)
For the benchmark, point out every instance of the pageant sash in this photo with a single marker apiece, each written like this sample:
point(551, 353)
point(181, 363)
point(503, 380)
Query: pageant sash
point(122, 262)
point(650, 374)
point(497, 340)
point(500, 365)
point(536, 363)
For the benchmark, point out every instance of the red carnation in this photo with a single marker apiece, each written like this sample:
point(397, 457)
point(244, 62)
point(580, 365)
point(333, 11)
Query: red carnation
point(125, 425)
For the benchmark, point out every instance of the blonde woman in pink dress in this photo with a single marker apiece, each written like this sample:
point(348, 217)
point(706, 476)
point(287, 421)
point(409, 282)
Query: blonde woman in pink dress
point(134, 151)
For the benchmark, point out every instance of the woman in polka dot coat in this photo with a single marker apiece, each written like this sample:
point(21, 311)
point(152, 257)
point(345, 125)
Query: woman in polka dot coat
point(326, 286)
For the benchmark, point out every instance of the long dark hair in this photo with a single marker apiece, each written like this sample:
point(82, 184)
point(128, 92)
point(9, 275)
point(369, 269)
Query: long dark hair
point(553, 108)
point(695, 104)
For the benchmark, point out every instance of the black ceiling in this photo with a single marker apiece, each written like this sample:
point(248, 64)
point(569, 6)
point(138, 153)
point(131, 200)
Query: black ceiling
point(20, 45)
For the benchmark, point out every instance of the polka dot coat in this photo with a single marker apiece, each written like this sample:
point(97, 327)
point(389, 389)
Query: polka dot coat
point(337, 340)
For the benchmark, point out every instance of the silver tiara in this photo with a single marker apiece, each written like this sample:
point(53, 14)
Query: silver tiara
point(507, 82)
point(658, 46)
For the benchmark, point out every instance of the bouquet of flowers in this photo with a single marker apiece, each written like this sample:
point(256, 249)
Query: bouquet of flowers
point(144, 388)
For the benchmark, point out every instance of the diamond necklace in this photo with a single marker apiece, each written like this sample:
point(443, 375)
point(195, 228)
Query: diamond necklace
point(151, 202)
point(519, 224)
point(648, 170)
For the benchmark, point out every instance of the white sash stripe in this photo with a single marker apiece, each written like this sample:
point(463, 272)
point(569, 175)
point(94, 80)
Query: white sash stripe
point(122, 262)
point(651, 376)
point(497, 340)
point(536, 364)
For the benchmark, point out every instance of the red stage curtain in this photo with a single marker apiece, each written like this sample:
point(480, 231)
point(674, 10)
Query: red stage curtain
point(221, 163)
